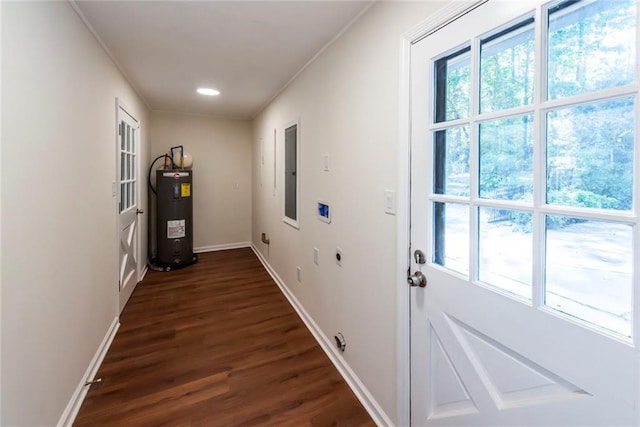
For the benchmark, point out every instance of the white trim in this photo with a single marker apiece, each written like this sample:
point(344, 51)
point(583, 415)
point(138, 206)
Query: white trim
point(127, 111)
point(289, 221)
point(312, 60)
point(71, 411)
point(440, 19)
point(364, 396)
point(221, 247)
point(403, 343)
point(1, 285)
point(403, 352)
point(250, 115)
point(144, 272)
point(635, 307)
point(205, 115)
point(116, 196)
point(102, 44)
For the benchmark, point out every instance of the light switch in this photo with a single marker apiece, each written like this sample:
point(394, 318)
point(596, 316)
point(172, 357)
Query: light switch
point(325, 162)
point(390, 202)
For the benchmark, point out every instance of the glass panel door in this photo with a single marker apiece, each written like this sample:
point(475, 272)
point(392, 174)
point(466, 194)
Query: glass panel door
point(523, 199)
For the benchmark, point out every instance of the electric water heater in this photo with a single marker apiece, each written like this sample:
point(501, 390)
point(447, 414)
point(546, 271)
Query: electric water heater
point(174, 225)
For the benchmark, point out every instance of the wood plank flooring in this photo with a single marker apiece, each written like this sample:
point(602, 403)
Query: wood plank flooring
point(217, 344)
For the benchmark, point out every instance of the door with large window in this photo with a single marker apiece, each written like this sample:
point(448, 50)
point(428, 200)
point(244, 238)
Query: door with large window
point(524, 217)
point(128, 210)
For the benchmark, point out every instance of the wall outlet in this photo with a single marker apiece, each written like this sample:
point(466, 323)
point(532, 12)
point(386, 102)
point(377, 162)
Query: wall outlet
point(339, 256)
point(299, 274)
point(316, 256)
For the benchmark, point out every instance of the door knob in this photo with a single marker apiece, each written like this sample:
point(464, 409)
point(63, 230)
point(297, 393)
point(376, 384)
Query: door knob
point(139, 211)
point(417, 279)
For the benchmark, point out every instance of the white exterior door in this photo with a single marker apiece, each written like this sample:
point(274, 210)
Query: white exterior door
point(524, 201)
point(128, 211)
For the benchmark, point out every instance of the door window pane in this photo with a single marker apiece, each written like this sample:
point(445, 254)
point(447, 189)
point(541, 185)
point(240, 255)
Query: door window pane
point(452, 77)
point(591, 46)
point(589, 271)
point(451, 236)
point(451, 158)
point(590, 152)
point(506, 68)
point(505, 250)
point(506, 159)
point(123, 158)
point(122, 195)
point(128, 133)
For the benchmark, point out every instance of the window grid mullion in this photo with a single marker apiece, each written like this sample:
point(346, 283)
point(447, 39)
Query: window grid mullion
point(539, 154)
point(474, 161)
point(635, 279)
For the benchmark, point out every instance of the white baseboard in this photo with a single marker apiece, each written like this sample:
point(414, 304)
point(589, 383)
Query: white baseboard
point(221, 247)
point(358, 388)
point(71, 411)
point(144, 272)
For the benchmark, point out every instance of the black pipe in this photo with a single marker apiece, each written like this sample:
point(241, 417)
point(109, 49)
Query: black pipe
point(151, 169)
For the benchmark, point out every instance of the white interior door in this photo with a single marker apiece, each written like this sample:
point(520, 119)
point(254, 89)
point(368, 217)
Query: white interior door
point(523, 159)
point(128, 211)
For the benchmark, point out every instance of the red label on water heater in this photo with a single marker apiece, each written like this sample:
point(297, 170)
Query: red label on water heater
point(175, 175)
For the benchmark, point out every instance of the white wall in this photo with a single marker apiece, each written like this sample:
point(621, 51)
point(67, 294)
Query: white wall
point(221, 150)
point(348, 104)
point(59, 281)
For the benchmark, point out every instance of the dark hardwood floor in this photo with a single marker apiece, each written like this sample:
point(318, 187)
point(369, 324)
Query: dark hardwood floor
point(217, 344)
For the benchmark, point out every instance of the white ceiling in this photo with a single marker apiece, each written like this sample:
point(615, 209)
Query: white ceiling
point(248, 50)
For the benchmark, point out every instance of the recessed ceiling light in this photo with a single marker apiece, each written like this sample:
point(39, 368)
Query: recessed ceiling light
point(208, 91)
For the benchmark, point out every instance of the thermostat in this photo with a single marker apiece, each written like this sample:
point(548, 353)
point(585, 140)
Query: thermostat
point(324, 212)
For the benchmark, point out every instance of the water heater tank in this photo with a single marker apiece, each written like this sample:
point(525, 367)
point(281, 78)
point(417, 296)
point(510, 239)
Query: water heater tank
point(174, 225)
